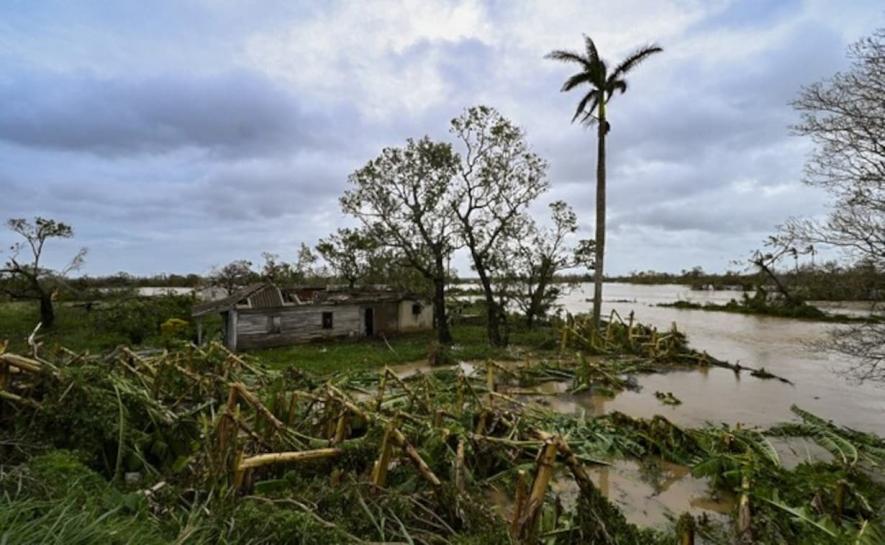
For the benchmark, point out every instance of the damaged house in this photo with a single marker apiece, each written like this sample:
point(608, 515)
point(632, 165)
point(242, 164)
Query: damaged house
point(263, 315)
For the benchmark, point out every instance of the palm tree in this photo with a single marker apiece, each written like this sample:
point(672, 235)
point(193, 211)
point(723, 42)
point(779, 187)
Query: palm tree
point(592, 108)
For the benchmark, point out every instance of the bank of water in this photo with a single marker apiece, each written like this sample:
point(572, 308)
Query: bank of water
point(652, 494)
point(780, 345)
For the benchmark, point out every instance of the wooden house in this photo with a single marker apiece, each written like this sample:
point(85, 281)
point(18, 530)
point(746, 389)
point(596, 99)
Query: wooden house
point(263, 315)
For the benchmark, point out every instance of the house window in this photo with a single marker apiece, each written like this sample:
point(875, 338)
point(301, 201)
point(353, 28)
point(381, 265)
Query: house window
point(274, 324)
point(416, 309)
point(327, 320)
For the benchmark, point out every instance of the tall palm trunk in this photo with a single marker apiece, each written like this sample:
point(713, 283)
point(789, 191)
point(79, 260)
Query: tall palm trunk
point(600, 214)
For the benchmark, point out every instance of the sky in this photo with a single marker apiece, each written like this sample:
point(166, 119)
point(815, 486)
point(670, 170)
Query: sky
point(178, 135)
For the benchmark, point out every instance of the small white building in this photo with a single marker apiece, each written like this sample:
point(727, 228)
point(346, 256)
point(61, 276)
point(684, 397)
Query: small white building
point(263, 315)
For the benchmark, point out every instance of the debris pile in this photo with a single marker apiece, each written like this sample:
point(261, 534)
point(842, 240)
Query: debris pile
point(217, 448)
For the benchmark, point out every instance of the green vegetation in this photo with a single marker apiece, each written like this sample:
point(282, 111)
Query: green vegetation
point(760, 305)
point(204, 446)
point(828, 281)
point(102, 324)
point(157, 322)
point(471, 343)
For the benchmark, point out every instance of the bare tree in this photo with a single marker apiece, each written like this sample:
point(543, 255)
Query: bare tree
point(499, 177)
point(402, 198)
point(232, 276)
point(307, 265)
point(23, 276)
point(845, 118)
point(541, 253)
point(766, 262)
point(351, 254)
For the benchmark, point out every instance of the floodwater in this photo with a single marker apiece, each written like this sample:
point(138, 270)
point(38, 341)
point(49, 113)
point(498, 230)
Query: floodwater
point(653, 492)
point(649, 493)
point(780, 345)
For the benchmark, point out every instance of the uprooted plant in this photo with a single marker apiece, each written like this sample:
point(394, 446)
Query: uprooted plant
point(203, 445)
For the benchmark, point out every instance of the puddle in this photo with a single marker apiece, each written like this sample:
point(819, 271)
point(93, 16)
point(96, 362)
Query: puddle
point(406, 370)
point(650, 496)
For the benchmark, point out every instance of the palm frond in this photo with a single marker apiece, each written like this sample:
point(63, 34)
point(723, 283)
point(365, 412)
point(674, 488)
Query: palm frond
point(802, 515)
point(575, 80)
point(590, 99)
point(616, 85)
point(592, 53)
point(563, 55)
point(633, 59)
point(838, 446)
point(589, 117)
point(598, 72)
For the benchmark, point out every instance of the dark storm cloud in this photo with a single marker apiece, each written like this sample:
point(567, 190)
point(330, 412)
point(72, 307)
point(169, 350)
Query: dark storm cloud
point(225, 133)
point(234, 113)
point(258, 190)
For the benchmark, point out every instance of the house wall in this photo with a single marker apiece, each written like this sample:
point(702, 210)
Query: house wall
point(230, 328)
point(297, 324)
point(386, 317)
point(409, 321)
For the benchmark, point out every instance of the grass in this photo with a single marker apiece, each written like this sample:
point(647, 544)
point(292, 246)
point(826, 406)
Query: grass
point(95, 330)
point(60, 500)
point(363, 354)
point(79, 330)
point(73, 328)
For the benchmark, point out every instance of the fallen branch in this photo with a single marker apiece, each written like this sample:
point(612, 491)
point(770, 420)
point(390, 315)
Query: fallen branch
point(261, 460)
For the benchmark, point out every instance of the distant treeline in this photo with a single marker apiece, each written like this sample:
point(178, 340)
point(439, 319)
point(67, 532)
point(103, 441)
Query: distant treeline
point(695, 277)
point(126, 280)
point(827, 281)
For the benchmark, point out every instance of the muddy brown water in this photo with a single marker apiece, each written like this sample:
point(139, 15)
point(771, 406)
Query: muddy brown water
point(780, 345)
point(712, 395)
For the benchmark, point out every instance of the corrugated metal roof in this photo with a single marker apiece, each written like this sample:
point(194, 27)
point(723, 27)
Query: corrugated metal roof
point(267, 297)
point(270, 296)
point(227, 303)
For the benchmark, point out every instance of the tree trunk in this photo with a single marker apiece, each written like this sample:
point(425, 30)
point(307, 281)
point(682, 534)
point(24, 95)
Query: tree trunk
point(778, 284)
point(534, 310)
point(538, 296)
point(47, 313)
point(493, 316)
point(600, 215)
point(443, 334)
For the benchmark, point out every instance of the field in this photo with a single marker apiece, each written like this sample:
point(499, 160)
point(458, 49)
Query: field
point(79, 329)
point(322, 443)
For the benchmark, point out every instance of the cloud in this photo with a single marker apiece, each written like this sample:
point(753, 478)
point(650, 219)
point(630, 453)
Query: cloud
point(378, 55)
point(232, 113)
point(226, 131)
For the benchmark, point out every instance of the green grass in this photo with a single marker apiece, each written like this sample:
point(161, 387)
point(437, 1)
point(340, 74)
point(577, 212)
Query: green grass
point(362, 354)
point(74, 328)
point(60, 500)
point(78, 329)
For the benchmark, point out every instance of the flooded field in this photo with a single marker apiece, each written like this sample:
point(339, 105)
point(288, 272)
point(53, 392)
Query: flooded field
point(648, 494)
point(717, 395)
point(652, 492)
